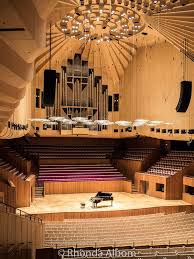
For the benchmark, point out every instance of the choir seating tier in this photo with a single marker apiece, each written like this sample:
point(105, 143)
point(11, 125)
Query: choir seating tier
point(138, 154)
point(164, 179)
point(69, 173)
point(172, 163)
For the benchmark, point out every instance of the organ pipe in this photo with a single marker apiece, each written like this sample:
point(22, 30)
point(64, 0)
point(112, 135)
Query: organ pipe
point(80, 92)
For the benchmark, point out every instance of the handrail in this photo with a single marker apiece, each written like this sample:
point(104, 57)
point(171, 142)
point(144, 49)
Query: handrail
point(21, 213)
point(151, 245)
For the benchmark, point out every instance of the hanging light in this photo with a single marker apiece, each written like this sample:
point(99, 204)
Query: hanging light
point(69, 122)
point(56, 118)
point(65, 121)
point(123, 123)
point(168, 123)
point(103, 122)
point(80, 119)
point(98, 14)
point(139, 122)
point(51, 123)
point(154, 123)
point(89, 123)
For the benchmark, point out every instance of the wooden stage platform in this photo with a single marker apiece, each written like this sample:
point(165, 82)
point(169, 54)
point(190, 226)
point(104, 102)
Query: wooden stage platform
point(58, 207)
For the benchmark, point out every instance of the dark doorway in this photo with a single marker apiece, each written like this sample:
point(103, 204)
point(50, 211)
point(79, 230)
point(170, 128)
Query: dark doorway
point(144, 187)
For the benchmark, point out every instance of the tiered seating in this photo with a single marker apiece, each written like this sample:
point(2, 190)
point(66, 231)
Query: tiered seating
point(144, 230)
point(6, 167)
point(66, 152)
point(68, 173)
point(174, 162)
point(138, 153)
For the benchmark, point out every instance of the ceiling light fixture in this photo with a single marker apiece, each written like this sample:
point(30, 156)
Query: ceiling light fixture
point(104, 22)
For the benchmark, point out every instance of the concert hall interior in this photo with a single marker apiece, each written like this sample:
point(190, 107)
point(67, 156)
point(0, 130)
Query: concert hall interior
point(96, 129)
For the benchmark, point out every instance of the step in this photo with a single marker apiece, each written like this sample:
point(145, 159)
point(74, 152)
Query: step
point(77, 172)
point(77, 177)
point(82, 179)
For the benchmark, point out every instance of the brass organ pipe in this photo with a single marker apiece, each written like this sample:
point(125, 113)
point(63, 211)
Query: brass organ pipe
point(63, 85)
point(106, 103)
point(97, 99)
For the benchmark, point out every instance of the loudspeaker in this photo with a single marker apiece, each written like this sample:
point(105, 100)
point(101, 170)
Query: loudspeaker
point(185, 96)
point(49, 87)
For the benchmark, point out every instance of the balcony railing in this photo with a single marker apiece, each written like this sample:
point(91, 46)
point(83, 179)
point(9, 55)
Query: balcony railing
point(9, 209)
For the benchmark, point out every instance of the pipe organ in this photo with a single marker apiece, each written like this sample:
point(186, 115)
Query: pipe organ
point(79, 92)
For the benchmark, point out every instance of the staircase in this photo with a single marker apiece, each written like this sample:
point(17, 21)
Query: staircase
point(39, 191)
point(134, 189)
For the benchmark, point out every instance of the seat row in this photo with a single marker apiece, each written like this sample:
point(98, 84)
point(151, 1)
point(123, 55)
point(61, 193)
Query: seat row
point(69, 173)
point(171, 164)
point(156, 229)
point(138, 153)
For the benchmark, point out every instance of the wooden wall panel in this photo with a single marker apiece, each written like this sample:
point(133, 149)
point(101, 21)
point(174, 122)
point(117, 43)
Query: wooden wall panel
point(9, 193)
point(87, 187)
point(16, 230)
point(152, 179)
point(23, 188)
point(151, 89)
point(118, 213)
point(128, 167)
point(186, 196)
point(173, 185)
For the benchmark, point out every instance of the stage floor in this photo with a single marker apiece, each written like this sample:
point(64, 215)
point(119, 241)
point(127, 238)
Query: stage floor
point(56, 203)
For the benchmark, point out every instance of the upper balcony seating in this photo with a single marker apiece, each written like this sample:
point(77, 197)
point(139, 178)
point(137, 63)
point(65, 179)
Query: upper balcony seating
point(138, 153)
point(69, 152)
point(173, 162)
point(69, 173)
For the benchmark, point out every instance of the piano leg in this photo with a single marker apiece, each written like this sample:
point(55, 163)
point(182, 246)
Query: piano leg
point(94, 205)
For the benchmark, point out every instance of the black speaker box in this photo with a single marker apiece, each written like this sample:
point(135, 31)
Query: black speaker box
point(185, 96)
point(49, 87)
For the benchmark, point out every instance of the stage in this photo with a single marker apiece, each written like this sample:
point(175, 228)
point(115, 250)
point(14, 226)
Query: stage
point(60, 206)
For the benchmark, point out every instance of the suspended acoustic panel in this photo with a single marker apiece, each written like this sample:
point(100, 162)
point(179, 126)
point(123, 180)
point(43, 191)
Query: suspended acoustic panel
point(49, 87)
point(185, 96)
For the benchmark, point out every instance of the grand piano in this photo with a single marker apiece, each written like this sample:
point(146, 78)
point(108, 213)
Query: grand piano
point(101, 196)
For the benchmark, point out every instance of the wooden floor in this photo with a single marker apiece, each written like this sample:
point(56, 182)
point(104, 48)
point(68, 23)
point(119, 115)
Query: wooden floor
point(70, 203)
